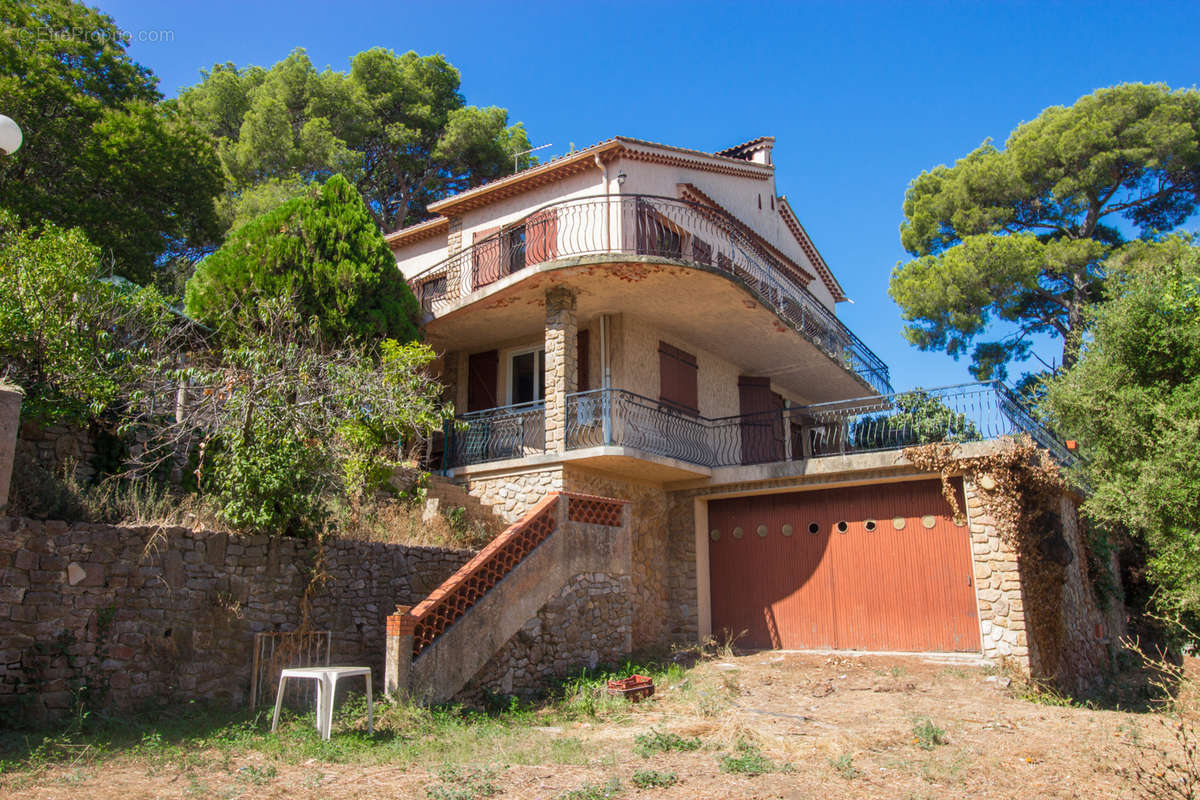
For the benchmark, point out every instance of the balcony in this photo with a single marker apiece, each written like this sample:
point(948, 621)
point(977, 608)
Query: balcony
point(661, 229)
point(622, 419)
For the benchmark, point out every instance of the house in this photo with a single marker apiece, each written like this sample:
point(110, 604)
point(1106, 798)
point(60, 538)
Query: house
point(642, 341)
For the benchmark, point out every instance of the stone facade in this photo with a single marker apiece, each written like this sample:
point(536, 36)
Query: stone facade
point(561, 366)
point(148, 615)
point(1036, 613)
point(587, 623)
point(510, 496)
point(650, 556)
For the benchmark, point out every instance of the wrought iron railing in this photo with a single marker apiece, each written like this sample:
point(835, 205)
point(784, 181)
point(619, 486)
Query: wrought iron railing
point(495, 434)
point(662, 227)
point(963, 413)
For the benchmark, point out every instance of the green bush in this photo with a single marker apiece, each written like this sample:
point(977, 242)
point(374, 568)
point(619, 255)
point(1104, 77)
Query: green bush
point(268, 482)
point(322, 251)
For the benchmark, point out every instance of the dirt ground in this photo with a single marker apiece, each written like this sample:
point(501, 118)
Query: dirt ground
point(843, 726)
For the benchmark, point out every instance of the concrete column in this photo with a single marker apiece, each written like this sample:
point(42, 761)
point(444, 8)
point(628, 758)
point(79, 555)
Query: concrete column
point(398, 658)
point(561, 366)
point(10, 422)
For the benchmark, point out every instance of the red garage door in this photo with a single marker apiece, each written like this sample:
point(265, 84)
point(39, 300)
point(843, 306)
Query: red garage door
point(866, 568)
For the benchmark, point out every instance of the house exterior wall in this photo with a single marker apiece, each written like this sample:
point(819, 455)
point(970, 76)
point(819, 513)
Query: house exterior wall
point(651, 560)
point(415, 258)
point(512, 209)
point(740, 196)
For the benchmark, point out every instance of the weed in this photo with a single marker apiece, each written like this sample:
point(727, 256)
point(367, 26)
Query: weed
point(844, 766)
point(258, 776)
point(749, 760)
point(927, 735)
point(653, 779)
point(646, 744)
point(594, 791)
point(462, 785)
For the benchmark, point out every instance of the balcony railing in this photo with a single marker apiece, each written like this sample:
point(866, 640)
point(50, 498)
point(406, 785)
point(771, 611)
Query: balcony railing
point(496, 434)
point(614, 417)
point(650, 226)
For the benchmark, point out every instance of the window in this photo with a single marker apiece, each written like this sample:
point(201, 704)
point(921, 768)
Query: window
point(431, 291)
point(527, 376)
point(516, 249)
point(677, 387)
point(656, 235)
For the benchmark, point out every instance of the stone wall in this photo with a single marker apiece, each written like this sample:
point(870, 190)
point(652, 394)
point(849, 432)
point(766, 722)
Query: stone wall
point(1034, 610)
point(585, 624)
point(58, 447)
point(511, 495)
point(651, 560)
point(148, 615)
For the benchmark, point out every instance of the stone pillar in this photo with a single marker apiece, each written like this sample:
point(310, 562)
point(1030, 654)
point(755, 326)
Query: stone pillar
point(10, 421)
point(398, 659)
point(561, 366)
point(997, 584)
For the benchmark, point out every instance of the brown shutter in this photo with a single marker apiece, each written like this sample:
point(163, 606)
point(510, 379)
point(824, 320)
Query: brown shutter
point(582, 360)
point(482, 376)
point(541, 236)
point(762, 431)
point(677, 378)
point(487, 257)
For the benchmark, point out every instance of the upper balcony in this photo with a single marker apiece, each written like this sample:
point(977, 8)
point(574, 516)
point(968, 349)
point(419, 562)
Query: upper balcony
point(579, 235)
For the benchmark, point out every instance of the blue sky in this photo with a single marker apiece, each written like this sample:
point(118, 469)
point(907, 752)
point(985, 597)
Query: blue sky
point(860, 96)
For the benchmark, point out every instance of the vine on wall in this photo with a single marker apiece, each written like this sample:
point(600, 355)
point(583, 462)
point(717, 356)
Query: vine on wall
point(1020, 488)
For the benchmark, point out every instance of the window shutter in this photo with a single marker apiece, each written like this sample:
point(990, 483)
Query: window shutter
point(762, 432)
point(482, 375)
point(541, 236)
point(487, 257)
point(677, 378)
point(582, 360)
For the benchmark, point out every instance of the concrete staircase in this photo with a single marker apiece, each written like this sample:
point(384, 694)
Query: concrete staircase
point(435, 649)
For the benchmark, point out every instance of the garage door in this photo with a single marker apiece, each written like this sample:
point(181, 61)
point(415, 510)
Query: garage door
point(867, 568)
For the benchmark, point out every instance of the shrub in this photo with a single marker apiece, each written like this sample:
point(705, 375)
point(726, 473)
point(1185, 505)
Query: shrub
point(267, 481)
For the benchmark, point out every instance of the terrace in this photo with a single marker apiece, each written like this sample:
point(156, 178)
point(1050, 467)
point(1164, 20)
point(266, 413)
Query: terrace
point(615, 418)
point(589, 231)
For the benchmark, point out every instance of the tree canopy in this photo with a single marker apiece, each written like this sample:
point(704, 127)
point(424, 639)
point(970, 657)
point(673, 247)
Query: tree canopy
point(100, 152)
point(1133, 402)
point(1021, 234)
point(324, 254)
point(396, 126)
point(71, 338)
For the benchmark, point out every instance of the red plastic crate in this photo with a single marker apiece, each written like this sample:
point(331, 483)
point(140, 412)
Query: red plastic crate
point(634, 688)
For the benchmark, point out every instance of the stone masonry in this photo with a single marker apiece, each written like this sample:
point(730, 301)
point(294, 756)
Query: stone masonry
point(561, 367)
point(585, 624)
point(148, 615)
point(1076, 635)
point(510, 496)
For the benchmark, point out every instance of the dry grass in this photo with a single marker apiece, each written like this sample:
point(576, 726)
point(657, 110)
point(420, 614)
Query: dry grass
point(402, 522)
point(835, 727)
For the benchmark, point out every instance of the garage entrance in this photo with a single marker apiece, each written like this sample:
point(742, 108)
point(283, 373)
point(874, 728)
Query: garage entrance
point(865, 568)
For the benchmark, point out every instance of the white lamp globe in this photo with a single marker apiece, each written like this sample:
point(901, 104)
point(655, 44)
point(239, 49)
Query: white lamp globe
point(10, 136)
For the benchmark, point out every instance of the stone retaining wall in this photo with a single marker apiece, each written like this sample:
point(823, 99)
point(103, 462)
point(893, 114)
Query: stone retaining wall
point(147, 615)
